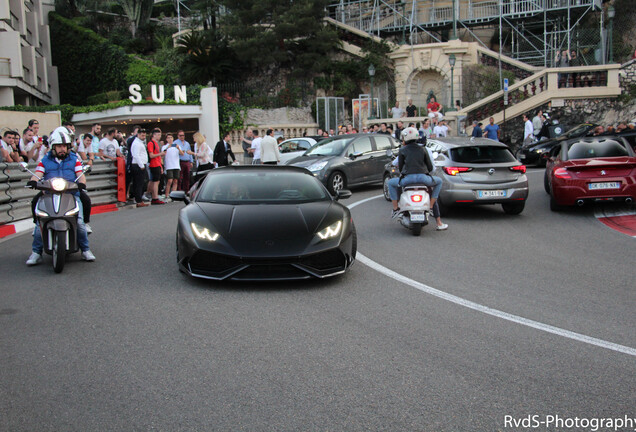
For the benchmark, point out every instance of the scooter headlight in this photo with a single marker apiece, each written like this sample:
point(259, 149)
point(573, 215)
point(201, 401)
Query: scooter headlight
point(58, 184)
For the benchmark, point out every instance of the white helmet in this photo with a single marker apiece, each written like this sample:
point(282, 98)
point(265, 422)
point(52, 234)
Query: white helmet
point(410, 134)
point(61, 135)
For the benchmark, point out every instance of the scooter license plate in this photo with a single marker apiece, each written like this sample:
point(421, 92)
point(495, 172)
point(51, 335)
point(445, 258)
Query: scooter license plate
point(418, 217)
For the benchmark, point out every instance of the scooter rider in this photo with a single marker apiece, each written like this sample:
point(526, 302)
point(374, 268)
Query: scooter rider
point(415, 165)
point(60, 162)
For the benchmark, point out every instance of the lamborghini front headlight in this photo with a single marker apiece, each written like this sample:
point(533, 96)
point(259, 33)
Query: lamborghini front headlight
point(203, 233)
point(331, 231)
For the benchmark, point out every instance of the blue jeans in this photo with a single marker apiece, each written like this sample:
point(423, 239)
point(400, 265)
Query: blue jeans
point(82, 236)
point(431, 181)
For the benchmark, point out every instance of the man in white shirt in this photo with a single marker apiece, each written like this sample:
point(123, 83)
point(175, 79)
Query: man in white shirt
point(426, 130)
point(84, 147)
point(34, 125)
point(6, 147)
point(397, 111)
point(269, 149)
point(35, 150)
point(528, 130)
point(172, 163)
point(138, 166)
point(440, 130)
point(109, 147)
point(255, 149)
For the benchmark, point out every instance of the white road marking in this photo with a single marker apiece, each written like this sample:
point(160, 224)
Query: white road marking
point(485, 309)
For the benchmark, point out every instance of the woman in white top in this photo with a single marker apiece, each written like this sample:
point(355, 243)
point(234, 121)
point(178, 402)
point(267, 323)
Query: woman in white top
point(204, 154)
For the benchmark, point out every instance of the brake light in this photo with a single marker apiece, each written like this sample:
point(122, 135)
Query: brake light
point(562, 173)
point(456, 170)
point(416, 198)
point(519, 168)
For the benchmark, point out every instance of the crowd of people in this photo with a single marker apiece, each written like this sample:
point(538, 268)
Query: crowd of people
point(155, 165)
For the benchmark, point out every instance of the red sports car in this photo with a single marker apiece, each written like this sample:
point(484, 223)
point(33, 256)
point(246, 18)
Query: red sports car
point(590, 169)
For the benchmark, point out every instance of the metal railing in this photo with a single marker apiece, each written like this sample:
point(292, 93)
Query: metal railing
point(556, 83)
point(15, 198)
point(355, 12)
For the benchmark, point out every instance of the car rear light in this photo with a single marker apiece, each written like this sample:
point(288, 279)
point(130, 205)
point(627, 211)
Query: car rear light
point(519, 168)
point(416, 198)
point(456, 170)
point(562, 173)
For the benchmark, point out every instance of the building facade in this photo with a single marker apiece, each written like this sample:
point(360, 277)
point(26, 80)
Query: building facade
point(27, 74)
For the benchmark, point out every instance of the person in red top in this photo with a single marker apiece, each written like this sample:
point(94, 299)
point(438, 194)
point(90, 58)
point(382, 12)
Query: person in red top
point(433, 110)
point(156, 165)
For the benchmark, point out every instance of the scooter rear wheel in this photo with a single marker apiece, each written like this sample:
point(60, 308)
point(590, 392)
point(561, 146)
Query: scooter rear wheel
point(417, 229)
point(59, 251)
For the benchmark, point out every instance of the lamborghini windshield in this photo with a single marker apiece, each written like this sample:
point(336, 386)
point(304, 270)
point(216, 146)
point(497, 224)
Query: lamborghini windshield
point(267, 186)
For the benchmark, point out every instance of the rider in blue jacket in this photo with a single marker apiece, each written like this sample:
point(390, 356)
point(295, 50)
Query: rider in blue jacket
point(60, 162)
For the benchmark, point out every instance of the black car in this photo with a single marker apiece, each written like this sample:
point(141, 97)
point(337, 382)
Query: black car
point(348, 160)
point(264, 223)
point(537, 153)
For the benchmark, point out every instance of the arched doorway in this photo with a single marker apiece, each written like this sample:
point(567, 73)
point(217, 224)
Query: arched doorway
point(424, 83)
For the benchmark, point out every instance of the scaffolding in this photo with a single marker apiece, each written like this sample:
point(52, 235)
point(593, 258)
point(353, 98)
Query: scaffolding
point(531, 31)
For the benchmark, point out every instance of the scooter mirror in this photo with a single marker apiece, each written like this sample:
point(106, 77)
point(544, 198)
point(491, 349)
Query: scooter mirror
point(435, 155)
point(23, 166)
point(389, 152)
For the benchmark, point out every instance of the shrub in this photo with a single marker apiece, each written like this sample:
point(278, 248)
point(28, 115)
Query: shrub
point(73, 46)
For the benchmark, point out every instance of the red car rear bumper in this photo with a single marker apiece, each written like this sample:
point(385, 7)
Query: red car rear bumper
point(568, 192)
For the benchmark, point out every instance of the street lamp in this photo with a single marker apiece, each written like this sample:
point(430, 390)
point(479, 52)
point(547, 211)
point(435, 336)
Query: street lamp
point(371, 74)
point(611, 12)
point(451, 60)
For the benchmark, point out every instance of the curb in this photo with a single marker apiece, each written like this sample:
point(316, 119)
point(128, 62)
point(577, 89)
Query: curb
point(28, 225)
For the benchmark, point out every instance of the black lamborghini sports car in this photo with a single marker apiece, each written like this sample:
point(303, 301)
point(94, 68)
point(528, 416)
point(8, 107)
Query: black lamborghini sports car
point(263, 223)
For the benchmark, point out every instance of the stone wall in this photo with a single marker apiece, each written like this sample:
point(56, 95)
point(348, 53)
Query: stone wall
point(628, 75)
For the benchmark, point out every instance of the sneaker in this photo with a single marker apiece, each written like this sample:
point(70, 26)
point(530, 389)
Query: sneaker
point(142, 204)
point(89, 230)
point(442, 227)
point(156, 202)
point(34, 258)
point(146, 196)
point(395, 213)
point(88, 255)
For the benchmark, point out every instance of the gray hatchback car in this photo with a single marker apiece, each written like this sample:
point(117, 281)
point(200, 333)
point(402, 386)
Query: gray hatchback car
point(477, 171)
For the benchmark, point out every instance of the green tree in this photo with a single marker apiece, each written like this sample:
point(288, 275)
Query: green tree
point(137, 11)
point(207, 57)
point(275, 34)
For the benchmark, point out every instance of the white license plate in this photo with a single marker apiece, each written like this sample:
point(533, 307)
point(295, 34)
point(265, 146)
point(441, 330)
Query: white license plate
point(522, 156)
point(417, 217)
point(605, 185)
point(491, 193)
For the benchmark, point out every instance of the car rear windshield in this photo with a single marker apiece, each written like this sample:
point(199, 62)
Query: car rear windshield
point(262, 187)
point(481, 154)
point(329, 147)
point(596, 149)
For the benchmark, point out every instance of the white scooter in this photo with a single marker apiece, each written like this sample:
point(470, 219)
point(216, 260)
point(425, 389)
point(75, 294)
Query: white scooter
point(415, 206)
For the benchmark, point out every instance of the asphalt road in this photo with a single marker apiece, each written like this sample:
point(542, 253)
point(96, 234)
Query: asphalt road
point(129, 343)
